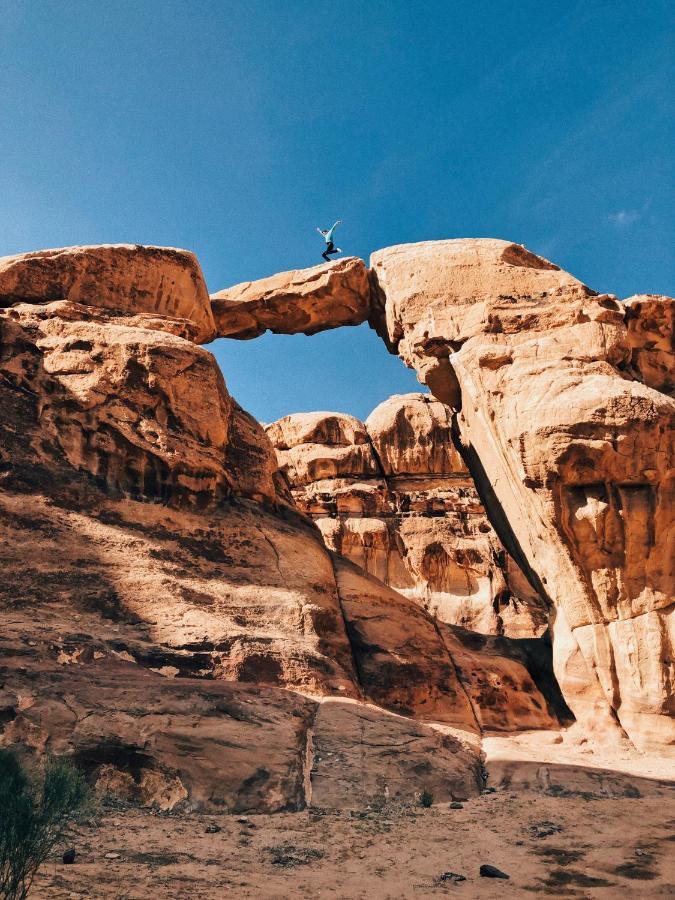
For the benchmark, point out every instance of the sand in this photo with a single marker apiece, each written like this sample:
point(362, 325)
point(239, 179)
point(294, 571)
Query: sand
point(567, 819)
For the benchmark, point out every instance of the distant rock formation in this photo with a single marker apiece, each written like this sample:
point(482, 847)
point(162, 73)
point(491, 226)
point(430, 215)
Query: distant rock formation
point(394, 496)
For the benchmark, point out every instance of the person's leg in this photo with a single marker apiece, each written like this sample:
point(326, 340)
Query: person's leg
point(329, 249)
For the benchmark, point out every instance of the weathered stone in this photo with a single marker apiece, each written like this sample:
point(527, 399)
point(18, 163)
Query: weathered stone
point(363, 755)
point(151, 552)
point(412, 435)
point(402, 660)
point(145, 412)
point(159, 741)
point(162, 284)
point(572, 456)
point(394, 496)
point(149, 557)
point(302, 301)
point(650, 319)
point(488, 871)
point(313, 446)
point(494, 673)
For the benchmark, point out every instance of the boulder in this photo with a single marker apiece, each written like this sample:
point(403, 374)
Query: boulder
point(160, 284)
point(362, 756)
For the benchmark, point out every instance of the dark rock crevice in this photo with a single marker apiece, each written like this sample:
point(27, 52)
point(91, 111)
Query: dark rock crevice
point(494, 510)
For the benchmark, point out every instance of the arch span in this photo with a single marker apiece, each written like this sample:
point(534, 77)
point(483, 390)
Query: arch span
point(563, 417)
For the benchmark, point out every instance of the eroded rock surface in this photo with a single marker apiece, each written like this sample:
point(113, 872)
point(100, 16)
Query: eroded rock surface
point(152, 560)
point(369, 769)
point(394, 496)
point(162, 286)
point(163, 600)
point(151, 740)
point(302, 301)
point(571, 452)
point(650, 319)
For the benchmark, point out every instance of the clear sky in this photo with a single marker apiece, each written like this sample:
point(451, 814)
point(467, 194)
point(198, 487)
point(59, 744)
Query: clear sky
point(235, 128)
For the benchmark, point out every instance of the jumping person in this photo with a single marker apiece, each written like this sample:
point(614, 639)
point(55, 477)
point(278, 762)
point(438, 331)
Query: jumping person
point(328, 238)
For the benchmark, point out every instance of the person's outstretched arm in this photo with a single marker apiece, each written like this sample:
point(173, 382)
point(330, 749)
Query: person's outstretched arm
point(329, 236)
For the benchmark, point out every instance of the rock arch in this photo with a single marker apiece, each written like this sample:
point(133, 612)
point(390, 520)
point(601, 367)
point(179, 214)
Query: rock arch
point(562, 397)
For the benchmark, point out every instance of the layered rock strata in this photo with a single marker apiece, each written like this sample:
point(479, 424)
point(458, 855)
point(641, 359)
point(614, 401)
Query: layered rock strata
point(394, 496)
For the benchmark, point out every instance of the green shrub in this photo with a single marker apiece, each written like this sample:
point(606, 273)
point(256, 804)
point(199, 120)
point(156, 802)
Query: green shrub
point(34, 815)
point(426, 798)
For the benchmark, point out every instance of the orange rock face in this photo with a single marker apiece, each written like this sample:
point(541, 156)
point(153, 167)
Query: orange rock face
point(163, 603)
point(394, 496)
point(158, 284)
point(145, 412)
point(303, 301)
point(650, 320)
point(571, 452)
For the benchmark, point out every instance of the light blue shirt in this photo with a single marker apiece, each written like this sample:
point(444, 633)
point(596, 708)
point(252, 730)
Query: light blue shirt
point(329, 234)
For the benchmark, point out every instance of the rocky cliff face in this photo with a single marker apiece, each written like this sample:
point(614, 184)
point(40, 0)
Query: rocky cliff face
point(564, 418)
point(566, 423)
point(176, 623)
point(169, 617)
point(394, 496)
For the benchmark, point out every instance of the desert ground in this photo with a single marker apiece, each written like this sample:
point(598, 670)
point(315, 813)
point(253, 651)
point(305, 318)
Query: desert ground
point(567, 819)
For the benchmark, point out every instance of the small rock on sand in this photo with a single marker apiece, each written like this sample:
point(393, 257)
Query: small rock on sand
point(451, 876)
point(488, 871)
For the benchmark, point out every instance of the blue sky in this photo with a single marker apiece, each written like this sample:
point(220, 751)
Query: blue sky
point(235, 128)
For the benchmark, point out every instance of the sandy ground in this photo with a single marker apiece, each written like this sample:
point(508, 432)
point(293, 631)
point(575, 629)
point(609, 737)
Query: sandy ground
point(565, 821)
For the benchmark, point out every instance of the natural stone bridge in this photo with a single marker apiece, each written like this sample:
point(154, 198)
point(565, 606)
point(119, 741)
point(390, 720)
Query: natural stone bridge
point(562, 404)
point(564, 413)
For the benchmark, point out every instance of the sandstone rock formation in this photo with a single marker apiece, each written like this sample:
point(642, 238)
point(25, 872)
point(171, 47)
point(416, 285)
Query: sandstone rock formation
point(394, 496)
point(164, 605)
point(565, 422)
point(167, 607)
point(304, 301)
point(571, 452)
point(157, 286)
point(651, 335)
